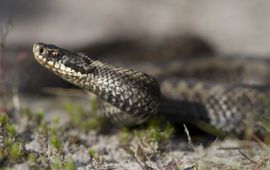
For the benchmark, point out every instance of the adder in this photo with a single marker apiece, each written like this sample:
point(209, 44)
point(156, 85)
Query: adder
point(132, 97)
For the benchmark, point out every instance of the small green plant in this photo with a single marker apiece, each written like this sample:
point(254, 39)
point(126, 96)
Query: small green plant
point(157, 131)
point(57, 164)
point(15, 151)
point(12, 147)
point(81, 119)
point(31, 159)
point(149, 141)
point(160, 131)
point(12, 150)
point(69, 165)
point(11, 131)
point(55, 142)
point(125, 136)
point(3, 119)
point(95, 158)
point(92, 153)
point(33, 119)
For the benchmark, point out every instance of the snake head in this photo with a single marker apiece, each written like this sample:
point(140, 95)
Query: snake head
point(61, 61)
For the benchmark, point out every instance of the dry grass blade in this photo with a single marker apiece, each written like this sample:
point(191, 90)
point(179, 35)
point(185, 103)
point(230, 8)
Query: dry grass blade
point(189, 138)
point(131, 152)
point(173, 164)
point(247, 157)
point(72, 92)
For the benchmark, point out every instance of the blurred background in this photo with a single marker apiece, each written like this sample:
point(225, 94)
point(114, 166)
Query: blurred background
point(125, 31)
point(233, 26)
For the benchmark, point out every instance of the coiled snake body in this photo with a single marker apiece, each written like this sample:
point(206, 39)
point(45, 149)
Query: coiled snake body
point(132, 97)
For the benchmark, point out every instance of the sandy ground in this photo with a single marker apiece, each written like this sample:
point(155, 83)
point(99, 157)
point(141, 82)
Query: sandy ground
point(111, 153)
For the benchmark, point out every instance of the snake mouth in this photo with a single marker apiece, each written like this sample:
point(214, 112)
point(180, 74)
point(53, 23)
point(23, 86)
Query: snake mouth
point(61, 61)
point(50, 57)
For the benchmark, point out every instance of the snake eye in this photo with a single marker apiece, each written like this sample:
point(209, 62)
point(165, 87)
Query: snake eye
point(41, 50)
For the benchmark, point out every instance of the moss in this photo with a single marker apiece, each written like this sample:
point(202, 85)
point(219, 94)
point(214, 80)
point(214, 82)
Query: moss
point(124, 135)
point(159, 131)
point(11, 149)
point(69, 165)
point(33, 119)
point(55, 142)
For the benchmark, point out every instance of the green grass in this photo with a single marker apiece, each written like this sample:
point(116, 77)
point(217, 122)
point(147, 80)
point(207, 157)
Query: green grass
point(82, 119)
point(143, 144)
point(37, 116)
point(157, 131)
point(55, 142)
point(59, 165)
point(15, 151)
point(92, 153)
point(146, 143)
point(69, 165)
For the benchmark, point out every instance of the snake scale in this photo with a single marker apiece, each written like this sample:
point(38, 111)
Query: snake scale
point(132, 97)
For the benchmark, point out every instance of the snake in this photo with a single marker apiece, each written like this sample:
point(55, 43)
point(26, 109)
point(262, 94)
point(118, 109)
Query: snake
point(131, 97)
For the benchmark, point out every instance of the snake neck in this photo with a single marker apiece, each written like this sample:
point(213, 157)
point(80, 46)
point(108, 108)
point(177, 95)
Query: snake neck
point(130, 91)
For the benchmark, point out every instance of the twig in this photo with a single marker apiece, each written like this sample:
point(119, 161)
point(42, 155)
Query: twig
point(230, 148)
point(260, 142)
point(189, 138)
point(247, 157)
point(215, 142)
point(16, 100)
point(3, 38)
